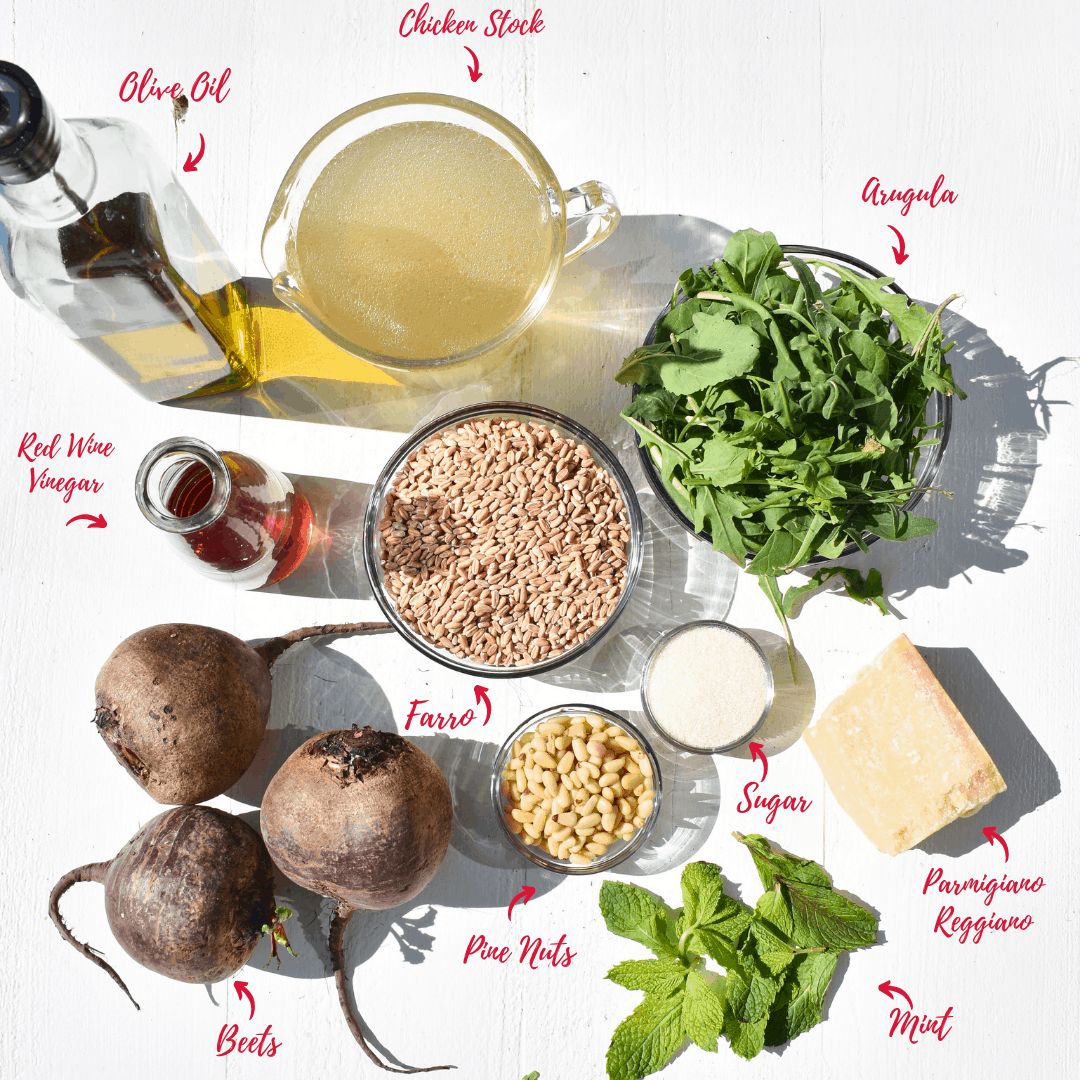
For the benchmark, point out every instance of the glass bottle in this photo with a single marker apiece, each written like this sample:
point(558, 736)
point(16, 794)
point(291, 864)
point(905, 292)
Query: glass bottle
point(232, 517)
point(98, 235)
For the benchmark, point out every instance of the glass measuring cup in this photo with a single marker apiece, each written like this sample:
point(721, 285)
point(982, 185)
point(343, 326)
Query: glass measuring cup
point(574, 220)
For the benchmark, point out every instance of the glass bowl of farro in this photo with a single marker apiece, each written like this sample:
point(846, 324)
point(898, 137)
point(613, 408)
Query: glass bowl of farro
point(503, 539)
point(576, 789)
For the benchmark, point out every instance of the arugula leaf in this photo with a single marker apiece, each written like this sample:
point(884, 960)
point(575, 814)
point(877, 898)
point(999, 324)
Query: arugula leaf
point(893, 524)
point(636, 914)
point(646, 1039)
point(866, 591)
point(798, 1006)
point(749, 256)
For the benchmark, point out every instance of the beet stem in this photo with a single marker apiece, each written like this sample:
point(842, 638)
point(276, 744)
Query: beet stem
point(90, 872)
point(342, 914)
point(272, 649)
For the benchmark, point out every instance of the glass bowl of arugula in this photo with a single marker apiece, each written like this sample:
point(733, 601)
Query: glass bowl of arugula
point(789, 420)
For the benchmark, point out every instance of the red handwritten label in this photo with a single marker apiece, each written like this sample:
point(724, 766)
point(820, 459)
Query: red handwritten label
point(437, 720)
point(532, 952)
point(145, 87)
point(501, 23)
point(228, 1041)
point(961, 927)
point(938, 195)
point(33, 449)
point(773, 803)
point(989, 886)
point(914, 1025)
point(964, 928)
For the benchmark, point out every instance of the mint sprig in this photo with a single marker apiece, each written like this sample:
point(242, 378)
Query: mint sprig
point(779, 959)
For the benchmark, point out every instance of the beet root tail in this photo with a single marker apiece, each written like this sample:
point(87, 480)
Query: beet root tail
point(342, 914)
point(272, 649)
point(89, 872)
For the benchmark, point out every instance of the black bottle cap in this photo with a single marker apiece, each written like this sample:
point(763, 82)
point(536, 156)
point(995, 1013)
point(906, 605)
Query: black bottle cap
point(29, 141)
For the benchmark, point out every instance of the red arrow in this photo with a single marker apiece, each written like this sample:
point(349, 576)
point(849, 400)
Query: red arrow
point(242, 991)
point(991, 834)
point(899, 253)
point(482, 695)
point(96, 521)
point(757, 752)
point(191, 163)
point(474, 71)
point(524, 896)
point(887, 988)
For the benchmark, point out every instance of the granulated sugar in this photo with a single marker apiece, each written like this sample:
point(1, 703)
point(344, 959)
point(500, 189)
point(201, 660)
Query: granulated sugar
point(706, 687)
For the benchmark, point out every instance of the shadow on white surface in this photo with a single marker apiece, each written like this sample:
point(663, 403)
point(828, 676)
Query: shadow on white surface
point(989, 467)
point(793, 702)
point(1031, 776)
point(333, 567)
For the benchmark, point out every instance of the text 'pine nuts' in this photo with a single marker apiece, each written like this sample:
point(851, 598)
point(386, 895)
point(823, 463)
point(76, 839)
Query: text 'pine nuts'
point(504, 542)
point(573, 823)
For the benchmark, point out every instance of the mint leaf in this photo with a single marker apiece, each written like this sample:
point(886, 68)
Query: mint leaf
point(745, 1039)
point(825, 919)
point(633, 913)
point(772, 863)
point(820, 916)
point(746, 1010)
point(773, 951)
point(773, 907)
point(645, 1041)
point(703, 1013)
point(712, 922)
point(761, 990)
point(663, 977)
point(702, 892)
point(798, 1007)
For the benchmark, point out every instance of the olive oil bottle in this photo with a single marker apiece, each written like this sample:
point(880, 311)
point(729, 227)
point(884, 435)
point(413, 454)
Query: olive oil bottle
point(98, 235)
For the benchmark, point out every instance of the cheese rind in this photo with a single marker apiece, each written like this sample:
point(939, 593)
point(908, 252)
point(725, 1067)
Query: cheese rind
point(898, 756)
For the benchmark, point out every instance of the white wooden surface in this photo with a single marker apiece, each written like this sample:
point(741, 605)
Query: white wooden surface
point(767, 114)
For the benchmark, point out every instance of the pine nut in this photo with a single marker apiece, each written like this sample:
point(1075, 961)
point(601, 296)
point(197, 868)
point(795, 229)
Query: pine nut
point(573, 806)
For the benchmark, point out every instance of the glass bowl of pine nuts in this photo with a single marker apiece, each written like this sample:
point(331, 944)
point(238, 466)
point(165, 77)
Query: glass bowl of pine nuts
point(502, 539)
point(576, 788)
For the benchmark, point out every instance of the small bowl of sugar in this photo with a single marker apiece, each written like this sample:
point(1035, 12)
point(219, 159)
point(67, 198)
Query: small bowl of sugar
point(707, 687)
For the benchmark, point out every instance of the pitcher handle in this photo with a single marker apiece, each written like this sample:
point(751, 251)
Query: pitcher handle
point(591, 217)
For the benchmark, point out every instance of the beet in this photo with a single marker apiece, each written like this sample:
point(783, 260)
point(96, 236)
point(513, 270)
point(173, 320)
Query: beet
point(183, 707)
point(363, 817)
point(187, 896)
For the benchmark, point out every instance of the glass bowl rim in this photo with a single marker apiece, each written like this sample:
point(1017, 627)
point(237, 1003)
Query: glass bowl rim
point(671, 635)
point(942, 403)
point(605, 862)
point(582, 435)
